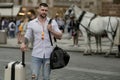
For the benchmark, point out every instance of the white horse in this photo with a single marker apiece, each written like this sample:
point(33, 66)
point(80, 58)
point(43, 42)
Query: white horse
point(90, 23)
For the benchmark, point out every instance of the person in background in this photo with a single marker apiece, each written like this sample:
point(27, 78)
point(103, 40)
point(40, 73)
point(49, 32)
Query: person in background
point(38, 30)
point(18, 22)
point(25, 25)
point(67, 25)
point(23, 28)
point(21, 31)
point(74, 31)
point(11, 27)
point(31, 15)
point(4, 23)
point(61, 24)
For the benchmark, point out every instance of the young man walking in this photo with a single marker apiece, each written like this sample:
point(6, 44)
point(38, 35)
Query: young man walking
point(38, 30)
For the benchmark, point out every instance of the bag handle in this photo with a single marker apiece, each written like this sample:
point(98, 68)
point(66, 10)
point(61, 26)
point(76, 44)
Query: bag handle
point(23, 58)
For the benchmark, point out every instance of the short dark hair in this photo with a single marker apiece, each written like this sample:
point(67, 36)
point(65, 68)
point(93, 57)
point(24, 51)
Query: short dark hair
point(43, 4)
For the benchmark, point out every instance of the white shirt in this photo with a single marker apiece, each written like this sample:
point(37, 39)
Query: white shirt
point(41, 48)
point(10, 26)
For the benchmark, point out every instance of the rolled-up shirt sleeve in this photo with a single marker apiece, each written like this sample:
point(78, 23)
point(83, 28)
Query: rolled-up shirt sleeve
point(55, 26)
point(29, 32)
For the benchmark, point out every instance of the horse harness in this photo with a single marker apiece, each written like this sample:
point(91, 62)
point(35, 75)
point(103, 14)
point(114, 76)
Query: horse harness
point(80, 19)
point(113, 32)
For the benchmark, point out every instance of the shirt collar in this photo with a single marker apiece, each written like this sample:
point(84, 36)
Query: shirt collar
point(47, 19)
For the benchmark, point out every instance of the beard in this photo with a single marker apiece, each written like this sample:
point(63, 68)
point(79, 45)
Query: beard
point(43, 15)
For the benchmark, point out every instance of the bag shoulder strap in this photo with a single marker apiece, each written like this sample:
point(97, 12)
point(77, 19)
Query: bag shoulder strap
point(49, 32)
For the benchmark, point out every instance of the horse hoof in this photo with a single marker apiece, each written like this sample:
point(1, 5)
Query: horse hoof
point(106, 55)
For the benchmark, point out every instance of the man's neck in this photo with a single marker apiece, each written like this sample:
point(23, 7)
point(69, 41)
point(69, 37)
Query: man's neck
point(42, 19)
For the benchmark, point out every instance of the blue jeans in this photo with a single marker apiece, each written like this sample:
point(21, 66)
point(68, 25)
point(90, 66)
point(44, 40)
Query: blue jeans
point(37, 63)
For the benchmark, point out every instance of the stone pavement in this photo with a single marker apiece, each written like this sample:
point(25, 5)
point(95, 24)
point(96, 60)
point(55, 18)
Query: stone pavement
point(65, 43)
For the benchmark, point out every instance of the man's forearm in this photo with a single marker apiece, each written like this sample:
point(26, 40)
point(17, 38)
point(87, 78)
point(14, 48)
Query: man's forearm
point(26, 41)
point(57, 35)
point(24, 44)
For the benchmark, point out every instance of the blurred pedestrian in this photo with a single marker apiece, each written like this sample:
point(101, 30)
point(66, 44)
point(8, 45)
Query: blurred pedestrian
point(31, 15)
point(60, 24)
point(11, 27)
point(67, 25)
point(18, 22)
point(5, 23)
point(38, 30)
point(25, 25)
point(74, 31)
point(21, 31)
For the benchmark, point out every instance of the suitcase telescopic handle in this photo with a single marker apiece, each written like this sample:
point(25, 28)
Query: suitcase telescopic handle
point(23, 58)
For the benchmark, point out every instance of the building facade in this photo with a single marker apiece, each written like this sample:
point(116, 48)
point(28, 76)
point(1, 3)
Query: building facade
point(100, 7)
point(111, 8)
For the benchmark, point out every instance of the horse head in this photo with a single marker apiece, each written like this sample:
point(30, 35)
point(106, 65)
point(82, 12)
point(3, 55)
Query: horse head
point(73, 11)
point(69, 12)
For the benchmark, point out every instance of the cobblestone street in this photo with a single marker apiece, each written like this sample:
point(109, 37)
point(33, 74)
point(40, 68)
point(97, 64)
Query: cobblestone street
point(95, 67)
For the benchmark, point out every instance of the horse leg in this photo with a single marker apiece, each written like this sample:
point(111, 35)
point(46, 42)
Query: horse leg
point(96, 39)
point(85, 36)
point(111, 45)
point(99, 43)
point(88, 45)
point(86, 39)
point(118, 53)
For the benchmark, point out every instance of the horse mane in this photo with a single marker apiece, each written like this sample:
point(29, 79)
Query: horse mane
point(78, 11)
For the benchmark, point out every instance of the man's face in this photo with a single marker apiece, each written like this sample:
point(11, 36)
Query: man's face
point(43, 11)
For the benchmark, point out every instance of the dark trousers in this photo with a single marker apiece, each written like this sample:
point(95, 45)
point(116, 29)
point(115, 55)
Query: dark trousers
point(12, 34)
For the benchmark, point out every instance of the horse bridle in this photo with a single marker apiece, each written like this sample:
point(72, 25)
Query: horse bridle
point(81, 17)
point(69, 11)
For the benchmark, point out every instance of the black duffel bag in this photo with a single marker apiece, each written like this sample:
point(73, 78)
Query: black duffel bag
point(59, 58)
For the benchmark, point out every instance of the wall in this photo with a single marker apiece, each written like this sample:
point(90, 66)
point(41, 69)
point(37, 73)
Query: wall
point(110, 9)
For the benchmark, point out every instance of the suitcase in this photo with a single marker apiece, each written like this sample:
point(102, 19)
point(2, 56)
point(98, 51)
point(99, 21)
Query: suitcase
point(15, 70)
